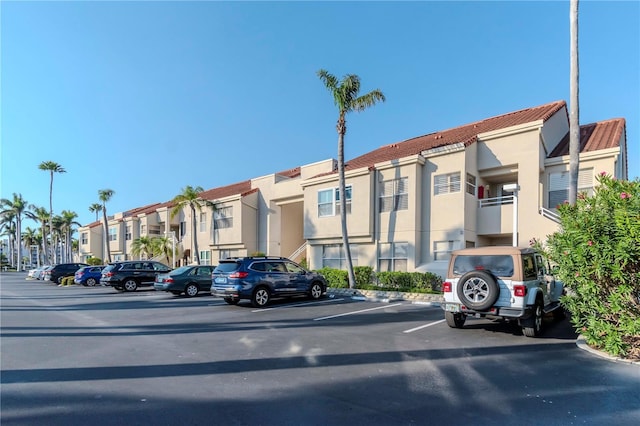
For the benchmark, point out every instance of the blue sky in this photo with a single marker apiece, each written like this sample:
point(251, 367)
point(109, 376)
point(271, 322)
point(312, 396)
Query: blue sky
point(147, 97)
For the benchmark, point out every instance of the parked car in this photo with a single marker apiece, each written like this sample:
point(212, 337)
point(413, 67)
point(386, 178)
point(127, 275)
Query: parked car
point(88, 275)
point(260, 279)
point(40, 274)
point(186, 279)
point(130, 275)
point(57, 272)
point(32, 273)
point(501, 282)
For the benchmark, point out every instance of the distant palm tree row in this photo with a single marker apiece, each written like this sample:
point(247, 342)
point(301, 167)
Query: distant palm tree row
point(55, 230)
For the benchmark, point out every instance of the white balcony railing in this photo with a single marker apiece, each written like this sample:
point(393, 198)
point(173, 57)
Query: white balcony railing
point(549, 214)
point(495, 201)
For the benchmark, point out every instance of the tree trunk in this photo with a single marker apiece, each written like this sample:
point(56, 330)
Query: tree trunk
point(19, 242)
point(196, 254)
point(574, 110)
point(342, 129)
point(51, 255)
point(106, 235)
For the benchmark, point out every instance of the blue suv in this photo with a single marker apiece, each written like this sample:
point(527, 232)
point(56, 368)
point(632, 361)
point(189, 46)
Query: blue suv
point(260, 279)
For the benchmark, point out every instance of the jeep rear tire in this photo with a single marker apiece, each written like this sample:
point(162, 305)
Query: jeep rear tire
point(455, 320)
point(532, 327)
point(478, 290)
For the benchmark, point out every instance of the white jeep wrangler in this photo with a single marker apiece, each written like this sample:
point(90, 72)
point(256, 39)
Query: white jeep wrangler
point(503, 282)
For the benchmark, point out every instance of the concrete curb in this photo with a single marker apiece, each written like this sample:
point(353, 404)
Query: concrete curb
point(581, 342)
point(386, 296)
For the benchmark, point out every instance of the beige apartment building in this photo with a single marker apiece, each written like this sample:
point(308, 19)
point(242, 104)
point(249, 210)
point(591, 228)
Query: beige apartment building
point(409, 204)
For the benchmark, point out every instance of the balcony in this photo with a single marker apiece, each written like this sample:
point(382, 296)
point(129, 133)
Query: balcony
point(495, 216)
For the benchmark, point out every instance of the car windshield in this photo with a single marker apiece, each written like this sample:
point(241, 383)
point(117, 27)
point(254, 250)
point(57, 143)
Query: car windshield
point(500, 265)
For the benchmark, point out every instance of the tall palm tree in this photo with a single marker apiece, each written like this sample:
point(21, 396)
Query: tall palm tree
point(104, 195)
point(68, 221)
point(95, 208)
point(56, 237)
point(143, 245)
point(345, 97)
point(17, 205)
point(51, 167)
point(8, 228)
point(190, 197)
point(40, 215)
point(30, 238)
point(574, 110)
point(163, 245)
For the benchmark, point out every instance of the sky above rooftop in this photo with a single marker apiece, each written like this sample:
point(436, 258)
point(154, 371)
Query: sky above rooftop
point(145, 98)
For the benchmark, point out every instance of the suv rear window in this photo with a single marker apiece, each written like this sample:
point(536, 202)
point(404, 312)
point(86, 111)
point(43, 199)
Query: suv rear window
point(227, 267)
point(109, 268)
point(500, 265)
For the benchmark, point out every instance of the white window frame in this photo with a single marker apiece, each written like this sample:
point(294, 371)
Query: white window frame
point(332, 253)
point(205, 257)
point(394, 256)
point(328, 208)
point(559, 185)
point(203, 222)
point(471, 184)
point(442, 249)
point(84, 238)
point(226, 253)
point(398, 197)
point(113, 233)
point(183, 229)
point(143, 230)
point(447, 183)
point(127, 233)
point(223, 217)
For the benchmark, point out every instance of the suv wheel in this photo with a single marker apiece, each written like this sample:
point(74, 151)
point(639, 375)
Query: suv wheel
point(478, 290)
point(260, 297)
point(532, 327)
point(316, 291)
point(455, 320)
point(191, 290)
point(130, 284)
point(90, 282)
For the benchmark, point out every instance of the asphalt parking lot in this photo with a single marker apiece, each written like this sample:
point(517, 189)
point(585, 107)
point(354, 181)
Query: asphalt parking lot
point(91, 355)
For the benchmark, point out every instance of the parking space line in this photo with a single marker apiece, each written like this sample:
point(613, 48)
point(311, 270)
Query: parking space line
point(411, 330)
point(296, 305)
point(356, 312)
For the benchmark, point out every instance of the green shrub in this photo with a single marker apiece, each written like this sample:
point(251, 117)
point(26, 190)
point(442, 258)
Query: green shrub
point(364, 275)
point(304, 263)
point(94, 261)
point(597, 251)
point(336, 278)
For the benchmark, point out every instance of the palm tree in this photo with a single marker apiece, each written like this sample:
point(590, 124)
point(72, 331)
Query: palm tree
point(40, 215)
point(163, 245)
point(17, 207)
point(95, 208)
point(574, 110)
point(52, 167)
point(30, 238)
point(8, 228)
point(190, 197)
point(345, 97)
point(143, 245)
point(104, 195)
point(56, 236)
point(68, 220)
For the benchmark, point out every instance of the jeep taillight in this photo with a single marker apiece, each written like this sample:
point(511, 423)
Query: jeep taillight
point(446, 287)
point(239, 274)
point(519, 290)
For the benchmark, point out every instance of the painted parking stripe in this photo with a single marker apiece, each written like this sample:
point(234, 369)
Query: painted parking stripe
point(296, 305)
point(356, 312)
point(411, 330)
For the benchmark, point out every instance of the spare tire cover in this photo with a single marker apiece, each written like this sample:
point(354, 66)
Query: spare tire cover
point(478, 290)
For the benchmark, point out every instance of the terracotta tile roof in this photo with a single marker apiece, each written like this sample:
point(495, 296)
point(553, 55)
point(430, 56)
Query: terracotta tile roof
point(594, 137)
point(241, 188)
point(139, 210)
point(466, 134)
point(291, 173)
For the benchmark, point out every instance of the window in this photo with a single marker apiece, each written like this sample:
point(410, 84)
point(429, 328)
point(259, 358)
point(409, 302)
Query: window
point(113, 233)
point(205, 257)
point(154, 229)
point(394, 195)
point(118, 258)
point(559, 186)
point(329, 201)
point(333, 256)
point(528, 267)
point(393, 257)
point(225, 254)
point(183, 229)
point(223, 218)
point(84, 238)
point(203, 221)
point(442, 249)
point(446, 184)
point(471, 184)
point(127, 233)
point(143, 230)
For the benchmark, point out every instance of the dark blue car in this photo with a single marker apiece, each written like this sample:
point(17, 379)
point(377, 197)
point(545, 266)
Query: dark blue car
point(88, 275)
